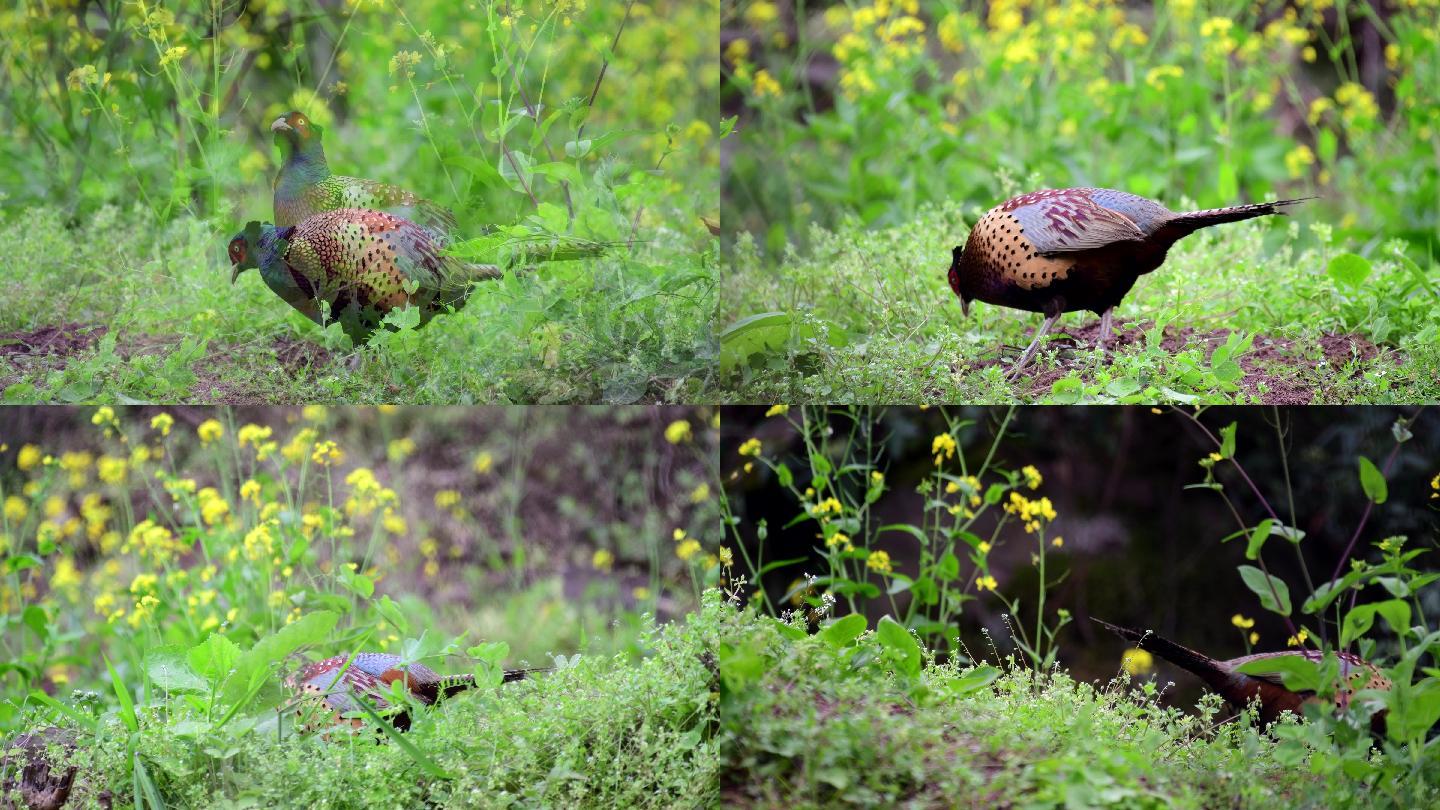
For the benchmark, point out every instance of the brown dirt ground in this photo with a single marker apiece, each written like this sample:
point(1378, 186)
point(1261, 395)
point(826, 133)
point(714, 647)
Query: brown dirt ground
point(1276, 371)
point(48, 348)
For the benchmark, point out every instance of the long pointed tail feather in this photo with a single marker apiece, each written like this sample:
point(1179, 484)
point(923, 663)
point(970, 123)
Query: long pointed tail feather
point(451, 684)
point(1194, 220)
point(1201, 665)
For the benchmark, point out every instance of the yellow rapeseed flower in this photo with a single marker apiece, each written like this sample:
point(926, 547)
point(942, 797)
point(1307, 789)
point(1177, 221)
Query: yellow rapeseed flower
point(112, 470)
point(1241, 622)
point(687, 549)
point(701, 493)
point(446, 498)
point(1298, 639)
point(1137, 662)
point(727, 559)
point(162, 422)
point(327, 453)
point(28, 458)
point(602, 559)
point(678, 431)
point(15, 509)
point(986, 583)
point(250, 491)
point(878, 561)
point(400, 449)
point(1156, 77)
point(777, 410)
point(1297, 160)
point(942, 447)
point(765, 84)
point(314, 413)
point(209, 431)
point(750, 447)
point(1033, 479)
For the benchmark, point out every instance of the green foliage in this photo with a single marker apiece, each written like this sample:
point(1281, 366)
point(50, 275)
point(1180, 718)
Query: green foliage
point(1217, 100)
point(970, 504)
point(806, 722)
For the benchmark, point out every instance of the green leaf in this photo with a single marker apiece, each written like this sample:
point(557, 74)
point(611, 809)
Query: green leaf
point(1373, 482)
point(214, 657)
point(1349, 269)
point(426, 764)
point(127, 706)
point(1257, 539)
point(169, 670)
point(1296, 671)
point(1227, 441)
point(901, 647)
point(386, 607)
point(1268, 588)
point(841, 632)
point(1359, 621)
point(948, 568)
point(973, 681)
point(774, 564)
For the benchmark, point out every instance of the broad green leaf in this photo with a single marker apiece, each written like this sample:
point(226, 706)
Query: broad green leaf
point(386, 607)
point(1227, 441)
point(1372, 481)
point(1257, 539)
point(214, 657)
point(1349, 269)
point(899, 645)
point(1268, 588)
point(169, 670)
point(844, 630)
point(1295, 671)
point(973, 681)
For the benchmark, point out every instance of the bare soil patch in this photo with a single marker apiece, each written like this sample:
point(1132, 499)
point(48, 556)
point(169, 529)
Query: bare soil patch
point(1276, 371)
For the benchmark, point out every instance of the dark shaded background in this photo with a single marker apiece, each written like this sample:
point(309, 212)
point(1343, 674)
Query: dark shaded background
point(1140, 549)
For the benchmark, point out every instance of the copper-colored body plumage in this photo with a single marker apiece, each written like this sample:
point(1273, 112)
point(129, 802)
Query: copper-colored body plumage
point(1065, 250)
point(1240, 689)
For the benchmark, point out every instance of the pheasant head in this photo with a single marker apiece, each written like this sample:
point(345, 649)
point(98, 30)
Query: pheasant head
point(256, 246)
point(299, 140)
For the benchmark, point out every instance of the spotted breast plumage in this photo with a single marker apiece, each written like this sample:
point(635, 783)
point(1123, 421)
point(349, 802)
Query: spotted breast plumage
point(359, 264)
point(327, 689)
point(1239, 688)
point(1071, 249)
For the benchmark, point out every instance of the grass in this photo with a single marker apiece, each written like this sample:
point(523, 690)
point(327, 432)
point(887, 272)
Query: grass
point(1251, 313)
point(600, 732)
point(812, 721)
point(619, 328)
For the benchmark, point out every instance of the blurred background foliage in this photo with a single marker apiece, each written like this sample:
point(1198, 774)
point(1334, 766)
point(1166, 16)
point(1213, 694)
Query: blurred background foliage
point(1139, 546)
point(871, 109)
point(470, 103)
point(552, 529)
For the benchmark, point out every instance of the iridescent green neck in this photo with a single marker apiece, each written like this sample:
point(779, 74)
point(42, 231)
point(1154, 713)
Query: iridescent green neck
point(304, 164)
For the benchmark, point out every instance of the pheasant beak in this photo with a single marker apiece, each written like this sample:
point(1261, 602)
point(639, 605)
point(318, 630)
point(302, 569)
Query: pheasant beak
point(234, 274)
point(280, 125)
point(965, 307)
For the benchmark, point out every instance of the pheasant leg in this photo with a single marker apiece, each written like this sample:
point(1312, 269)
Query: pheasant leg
point(1034, 345)
point(1104, 329)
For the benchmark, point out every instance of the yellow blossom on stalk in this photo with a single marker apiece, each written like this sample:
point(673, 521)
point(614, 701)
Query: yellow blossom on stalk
point(54, 506)
point(28, 458)
point(1298, 639)
point(678, 431)
point(400, 449)
point(1435, 486)
point(483, 462)
point(778, 410)
point(66, 577)
point(701, 493)
point(761, 12)
point(250, 491)
point(393, 523)
point(77, 464)
point(1005, 16)
point(143, 583)
point(677, 535)
point(949, 32)
point(1297, 160)
point(829, 506)
point(983, 548)
point(942, 447)
point(1358, 104)
point(1156, 77)
point(1241, 622)
point(765, 84)
point(750, 447)
point(877, 478)
point(1033, 478)
point(1058, 541)
point(111, 470)
point(687, 549)
point(314, 413)
point(82, 77)
point(173, 55)
point(738, 51)
point(641, 593)
point(446, 498)
point(1137, 662)
point(213, 508)
point(1127, 34)
point(259, 542)
point(252, 435)
point(209, 431)
point(298, 448)
point(602, 559)
point(839, 540)
point(727, 559)
point(15, 508)
point(986, 583)
point(878, 561)
point(327, 453)
point(104, 416)
point(1254, 638)
point(161, 423)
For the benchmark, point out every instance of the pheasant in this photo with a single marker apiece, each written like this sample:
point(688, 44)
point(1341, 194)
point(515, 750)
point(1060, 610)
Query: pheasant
point(1070, 249)
point(305, 187)
point(1239, 689)
point(362, 263)
point(324, 686)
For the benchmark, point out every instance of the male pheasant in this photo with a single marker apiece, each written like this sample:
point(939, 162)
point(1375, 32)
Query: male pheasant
point(362, 263)
point(305, 187)
point(1070, 249)
point(325, 690)
point(1240, 689)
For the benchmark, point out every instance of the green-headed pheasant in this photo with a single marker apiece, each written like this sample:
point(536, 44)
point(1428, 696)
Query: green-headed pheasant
point(1070, 249)
point(305, 187)
point(327, 688)
point(362, 263)
point(1240, 689)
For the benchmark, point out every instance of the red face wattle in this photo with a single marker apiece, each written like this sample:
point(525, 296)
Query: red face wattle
point(237, 250)
point(954, 280)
